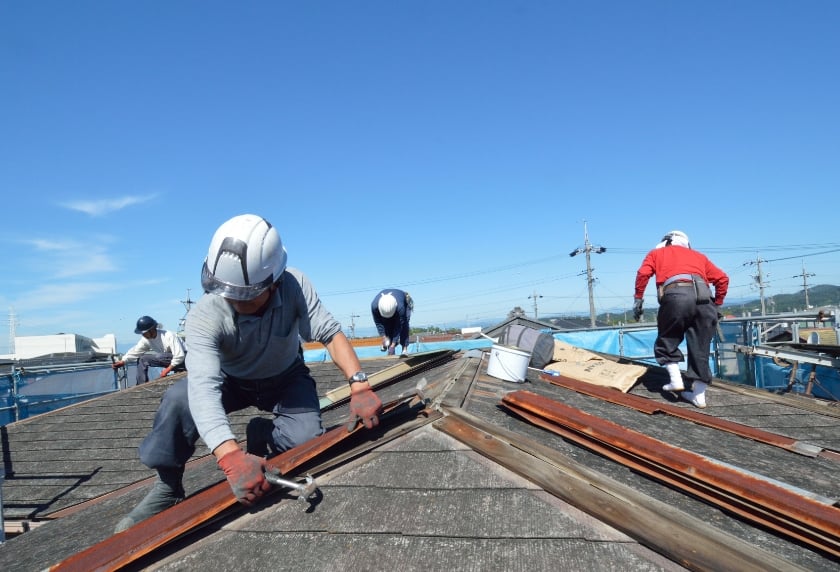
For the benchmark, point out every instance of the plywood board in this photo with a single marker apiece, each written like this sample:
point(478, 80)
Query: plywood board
point(587, 366)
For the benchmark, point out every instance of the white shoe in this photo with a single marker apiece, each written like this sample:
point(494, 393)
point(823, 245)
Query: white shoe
point(696, 397)
point(676, 384)
point(699, 401)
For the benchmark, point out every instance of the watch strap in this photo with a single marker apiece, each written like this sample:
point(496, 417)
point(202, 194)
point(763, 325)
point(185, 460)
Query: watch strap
point(358, 377)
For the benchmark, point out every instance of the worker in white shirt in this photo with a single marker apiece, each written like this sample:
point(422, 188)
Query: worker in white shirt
point(157, 348)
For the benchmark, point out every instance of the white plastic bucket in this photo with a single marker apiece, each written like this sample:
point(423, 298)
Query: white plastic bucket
point(507, 363)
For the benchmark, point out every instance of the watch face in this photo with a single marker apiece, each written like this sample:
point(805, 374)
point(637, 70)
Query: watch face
point(359, 377)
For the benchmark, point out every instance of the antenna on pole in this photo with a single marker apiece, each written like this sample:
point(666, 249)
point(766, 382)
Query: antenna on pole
point(590, 281)
point(353, 325)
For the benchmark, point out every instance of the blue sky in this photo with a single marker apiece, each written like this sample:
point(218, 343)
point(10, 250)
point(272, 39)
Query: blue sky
point(453, 149)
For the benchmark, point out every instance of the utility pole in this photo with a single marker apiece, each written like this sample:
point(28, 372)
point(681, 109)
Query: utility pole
point(759, 278)
point(12, 330)
point(535, 296)
point(590, 281)
point(804, 277)
point(187, 304)
point(353, 325)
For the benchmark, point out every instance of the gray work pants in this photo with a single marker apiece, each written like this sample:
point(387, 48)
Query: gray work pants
point(145, 361)
point(290, 396)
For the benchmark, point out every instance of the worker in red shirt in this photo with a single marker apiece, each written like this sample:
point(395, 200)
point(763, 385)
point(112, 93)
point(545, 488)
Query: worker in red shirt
point(687, 310)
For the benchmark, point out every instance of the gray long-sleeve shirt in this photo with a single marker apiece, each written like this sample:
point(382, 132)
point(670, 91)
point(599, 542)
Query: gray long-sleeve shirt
point(220, 341)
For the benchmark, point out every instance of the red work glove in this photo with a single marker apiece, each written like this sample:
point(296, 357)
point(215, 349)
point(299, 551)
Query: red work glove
point(365, 406)
point(245, 475)
point(166, 371)
point(117, 364)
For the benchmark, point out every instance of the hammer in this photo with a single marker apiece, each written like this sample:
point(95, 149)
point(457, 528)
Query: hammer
point(304, 489)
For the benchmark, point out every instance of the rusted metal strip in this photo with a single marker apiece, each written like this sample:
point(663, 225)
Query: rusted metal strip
point(801, 517)
point(650, 407)
point(673, 478)
point(146, 536)
point(650, 521)
point(406, 367)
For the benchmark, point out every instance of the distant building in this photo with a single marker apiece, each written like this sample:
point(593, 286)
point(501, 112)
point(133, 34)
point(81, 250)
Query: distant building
point(28, 347)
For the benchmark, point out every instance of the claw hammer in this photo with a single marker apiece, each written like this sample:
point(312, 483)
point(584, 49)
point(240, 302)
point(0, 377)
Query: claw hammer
point(304, 490)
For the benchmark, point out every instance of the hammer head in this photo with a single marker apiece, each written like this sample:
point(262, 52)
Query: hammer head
point(304, 490)
point(308, 489)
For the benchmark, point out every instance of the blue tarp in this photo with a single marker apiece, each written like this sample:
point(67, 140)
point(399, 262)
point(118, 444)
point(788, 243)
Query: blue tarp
point(45, 392)
point(635, 344)
point(321, 355)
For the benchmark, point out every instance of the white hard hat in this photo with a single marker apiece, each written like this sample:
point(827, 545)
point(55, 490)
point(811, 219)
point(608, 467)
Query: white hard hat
point(245, 257)
point(676, 237)
point(387, 305)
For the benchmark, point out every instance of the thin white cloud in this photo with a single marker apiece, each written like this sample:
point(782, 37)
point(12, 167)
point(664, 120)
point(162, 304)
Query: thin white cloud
point(106, 206)
point(48, 302)
point(64, 259)
point(50, 245)
point(52, 295)
point(82, 263)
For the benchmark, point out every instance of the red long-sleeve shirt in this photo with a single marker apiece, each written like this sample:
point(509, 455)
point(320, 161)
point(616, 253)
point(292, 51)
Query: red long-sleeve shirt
point(671, 260)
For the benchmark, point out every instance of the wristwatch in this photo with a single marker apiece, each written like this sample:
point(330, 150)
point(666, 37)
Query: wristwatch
point(358, 376)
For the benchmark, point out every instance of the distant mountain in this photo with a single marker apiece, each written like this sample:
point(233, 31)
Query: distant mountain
point(818, 296)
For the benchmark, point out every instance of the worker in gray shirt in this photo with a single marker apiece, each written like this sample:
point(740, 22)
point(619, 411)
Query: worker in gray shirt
point(244, 349)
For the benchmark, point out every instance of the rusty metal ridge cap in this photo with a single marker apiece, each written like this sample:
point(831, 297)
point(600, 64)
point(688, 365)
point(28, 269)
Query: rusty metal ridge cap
point(650, 407)
point(796, 506)
point(766, 511)
point(118, 550)
point(652, 522)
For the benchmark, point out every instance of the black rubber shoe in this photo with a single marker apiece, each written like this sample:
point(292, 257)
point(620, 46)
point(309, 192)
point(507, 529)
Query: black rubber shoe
point(162, 496)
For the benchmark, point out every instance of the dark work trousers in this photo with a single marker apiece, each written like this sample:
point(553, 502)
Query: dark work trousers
point(290, 396)
point(681, 317)
point(145, 361)
point(394, 330)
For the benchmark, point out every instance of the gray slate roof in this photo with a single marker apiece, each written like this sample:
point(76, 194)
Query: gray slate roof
point(423, 501)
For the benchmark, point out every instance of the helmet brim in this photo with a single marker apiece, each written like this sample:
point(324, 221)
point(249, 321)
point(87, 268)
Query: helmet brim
point(213, 285)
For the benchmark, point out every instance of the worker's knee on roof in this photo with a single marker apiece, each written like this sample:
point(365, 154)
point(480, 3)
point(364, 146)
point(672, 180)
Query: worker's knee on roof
point(293, 429)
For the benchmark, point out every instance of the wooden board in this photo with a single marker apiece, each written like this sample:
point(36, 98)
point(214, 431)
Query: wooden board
point(387, 375)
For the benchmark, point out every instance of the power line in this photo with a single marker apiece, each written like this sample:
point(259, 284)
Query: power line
point(803, 255)
point(449, 277)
